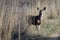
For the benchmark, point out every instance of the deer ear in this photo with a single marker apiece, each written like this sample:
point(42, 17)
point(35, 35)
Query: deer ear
point(37, 8)
point(44, 8)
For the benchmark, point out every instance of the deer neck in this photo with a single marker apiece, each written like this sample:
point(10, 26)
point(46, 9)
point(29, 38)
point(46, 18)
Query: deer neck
point(40, 13)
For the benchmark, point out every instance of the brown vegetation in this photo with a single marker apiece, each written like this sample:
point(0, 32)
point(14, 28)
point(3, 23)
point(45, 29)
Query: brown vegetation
point(13, 19)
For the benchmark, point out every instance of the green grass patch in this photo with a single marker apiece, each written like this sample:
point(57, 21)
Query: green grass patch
point(48, 28)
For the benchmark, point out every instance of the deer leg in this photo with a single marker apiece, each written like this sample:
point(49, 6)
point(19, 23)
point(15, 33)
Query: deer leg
point(36, 27)
point(39, 27)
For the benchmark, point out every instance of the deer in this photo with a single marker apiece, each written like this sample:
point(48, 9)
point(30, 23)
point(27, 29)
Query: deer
point(36, 20)
point(33, 20)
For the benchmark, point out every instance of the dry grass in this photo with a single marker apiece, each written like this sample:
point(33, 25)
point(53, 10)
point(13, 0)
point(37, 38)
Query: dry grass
point(12, 20)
